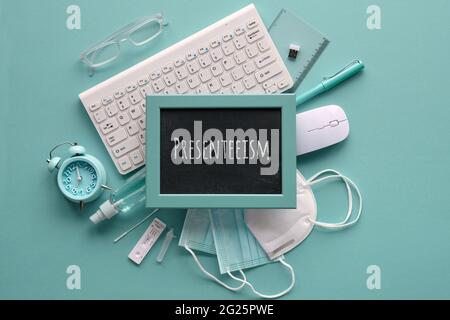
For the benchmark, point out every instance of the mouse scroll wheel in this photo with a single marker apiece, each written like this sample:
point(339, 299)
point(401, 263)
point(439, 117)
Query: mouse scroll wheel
point(334, 123)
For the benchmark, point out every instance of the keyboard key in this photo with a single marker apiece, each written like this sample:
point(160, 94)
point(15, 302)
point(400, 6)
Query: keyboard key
point(263, 45)
point(135, 112)
point(169, 91)
point(145, 90)
point(203, 89)
point(136, 156)
point(239, 30)
point(141, 137)
point(216, 54)
point(142, 104)
point(94, 106)
point(193, 81)
point(203, 50)
point(193, 67)
point(239, 42)
point(119, 94)
point(125, 147)
point(204, 61)
point(107, 100)
point(124, 163)
point(135, 97)
point(167, 68)
point(204, 75)
point(252, 23)
point(158, 85)
point(227, 48)
point(216, 69)
point(214, 85)
point(181, 73)
point(272, 89)
point(215, 43)
point(143, 82)
point(191, 56)
point(240, 57)
point(123, 103)
point(237, 87)
point(179, 62)
point(225, 79)
point(264, 59)
point(268, 72)
point(182, 87)
point(249, 82)
point(227, 37)
point(141, 122)
point(249, 67)
point(251, 51)
point(282, 83)
point(268, 84)
point(117, 136)
point(132, 128)
point(170, 79)
point(100, 116)
point(111, 109)
point(109, 125)
point(123, 118)
point(237, 73)
point(254, 35)
point(226, 90)
point(131, 87)
point(155, 74)
point(228, 63)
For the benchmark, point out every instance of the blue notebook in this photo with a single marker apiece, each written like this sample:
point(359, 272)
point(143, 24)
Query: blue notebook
point(288, 29)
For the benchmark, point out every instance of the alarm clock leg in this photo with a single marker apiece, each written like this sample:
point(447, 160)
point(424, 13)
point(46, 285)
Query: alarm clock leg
point(81, 205)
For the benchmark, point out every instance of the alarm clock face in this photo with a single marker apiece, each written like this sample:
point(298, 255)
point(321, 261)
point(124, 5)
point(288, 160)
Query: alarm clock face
point(79, 179)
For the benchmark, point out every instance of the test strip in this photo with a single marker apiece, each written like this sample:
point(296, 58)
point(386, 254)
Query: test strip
point(147, 241)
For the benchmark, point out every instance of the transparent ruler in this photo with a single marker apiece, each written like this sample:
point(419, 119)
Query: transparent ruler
point(288, 29)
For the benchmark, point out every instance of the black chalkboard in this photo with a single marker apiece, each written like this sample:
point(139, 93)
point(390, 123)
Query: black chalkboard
point(203, 178)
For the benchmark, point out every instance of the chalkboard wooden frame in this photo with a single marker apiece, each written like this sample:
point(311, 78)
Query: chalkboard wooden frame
point(287, 197)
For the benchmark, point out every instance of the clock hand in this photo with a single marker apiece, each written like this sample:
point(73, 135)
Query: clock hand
point(79, 177)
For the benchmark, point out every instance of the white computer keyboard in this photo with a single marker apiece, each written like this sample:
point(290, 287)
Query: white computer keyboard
point(232, 56)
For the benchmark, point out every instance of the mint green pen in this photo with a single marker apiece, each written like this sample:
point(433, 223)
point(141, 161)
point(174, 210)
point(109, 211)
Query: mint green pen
point(349, 70)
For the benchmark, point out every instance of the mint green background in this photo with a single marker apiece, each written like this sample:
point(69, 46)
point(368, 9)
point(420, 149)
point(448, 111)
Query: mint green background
point(398, 153)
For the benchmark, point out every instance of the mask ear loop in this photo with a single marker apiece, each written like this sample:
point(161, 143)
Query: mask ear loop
point(268, 296)
point(209, 275)
point(337, 175)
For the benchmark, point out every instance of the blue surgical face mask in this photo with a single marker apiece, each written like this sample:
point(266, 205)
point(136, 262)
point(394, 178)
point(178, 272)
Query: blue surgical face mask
point(236, 247)
point(197, 232)
point(197, 235)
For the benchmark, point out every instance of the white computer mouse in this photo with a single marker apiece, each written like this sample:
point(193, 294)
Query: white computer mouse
point(320, 128)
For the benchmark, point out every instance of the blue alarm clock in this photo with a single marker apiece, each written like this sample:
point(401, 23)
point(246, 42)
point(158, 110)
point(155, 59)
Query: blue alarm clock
point(81, 177)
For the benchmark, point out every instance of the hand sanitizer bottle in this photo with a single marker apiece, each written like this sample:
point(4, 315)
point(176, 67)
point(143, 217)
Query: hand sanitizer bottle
point(128, 198)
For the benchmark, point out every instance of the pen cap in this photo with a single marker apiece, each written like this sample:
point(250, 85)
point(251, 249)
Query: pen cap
point(348, 71)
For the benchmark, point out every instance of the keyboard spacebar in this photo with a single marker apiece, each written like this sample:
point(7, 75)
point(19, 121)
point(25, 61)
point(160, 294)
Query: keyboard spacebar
point(125, 147)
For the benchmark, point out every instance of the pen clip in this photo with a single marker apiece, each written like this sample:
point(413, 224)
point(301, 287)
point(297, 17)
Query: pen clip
point(343, 69)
